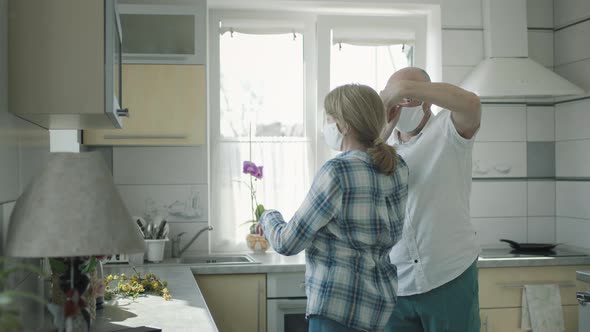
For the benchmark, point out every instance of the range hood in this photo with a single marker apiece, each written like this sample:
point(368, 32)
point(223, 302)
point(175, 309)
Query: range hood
point(507, 71)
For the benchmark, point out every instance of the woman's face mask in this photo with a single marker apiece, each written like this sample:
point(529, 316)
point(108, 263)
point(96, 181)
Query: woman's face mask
point(333, 136)
point(410, 118)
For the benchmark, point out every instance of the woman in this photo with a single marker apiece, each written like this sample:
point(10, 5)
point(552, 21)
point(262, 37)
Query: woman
point(350, 219)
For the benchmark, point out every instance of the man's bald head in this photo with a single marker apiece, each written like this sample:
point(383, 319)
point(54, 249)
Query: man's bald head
point(410, 74)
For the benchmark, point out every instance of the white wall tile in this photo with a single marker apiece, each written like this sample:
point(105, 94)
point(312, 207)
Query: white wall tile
point(6, 210)
point(455, 74)
point(461, 13)
point(572, 158)
point(175, 203)
point(540, 123)
point(502, 123)
point(498, 199)
point(577, 73)
point(491, 230)
point(572, 199)
point(499, 159)
point(462, 47)
point(160, 165)
point(569, 11)
point(539, 13)
point(200, 246)
point(541, 198)
point(541, 47)
point(541, 229)
point(34, 150)
point(573, 231)
point(572, 119)
point(571, 43)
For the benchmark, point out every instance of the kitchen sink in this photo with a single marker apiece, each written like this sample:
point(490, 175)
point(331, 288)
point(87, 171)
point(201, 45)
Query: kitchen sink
point(218, 260)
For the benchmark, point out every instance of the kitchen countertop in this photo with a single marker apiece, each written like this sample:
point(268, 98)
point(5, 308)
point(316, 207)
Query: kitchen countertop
point(188, 307)
point(537, 261)
point(583, 276)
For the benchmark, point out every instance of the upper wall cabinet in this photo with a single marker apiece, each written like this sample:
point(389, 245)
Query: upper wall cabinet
point(164, 34)
point(64, 63)
point(170, 107)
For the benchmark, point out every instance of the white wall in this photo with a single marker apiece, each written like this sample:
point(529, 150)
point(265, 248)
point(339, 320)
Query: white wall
point(572, 133)
point(23, 149)
point(513, 201)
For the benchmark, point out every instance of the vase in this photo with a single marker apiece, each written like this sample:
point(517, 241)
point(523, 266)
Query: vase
point(257, 243)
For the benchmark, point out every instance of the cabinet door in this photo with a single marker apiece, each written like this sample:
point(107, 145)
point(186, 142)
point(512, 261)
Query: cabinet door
point(509, 319)
point(167, 106)
point(164, 33)
point(501, 287)
point(237, 302)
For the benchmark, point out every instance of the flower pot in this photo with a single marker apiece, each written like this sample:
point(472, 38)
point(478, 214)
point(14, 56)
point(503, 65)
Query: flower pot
point(155, 250)
point(257, 243)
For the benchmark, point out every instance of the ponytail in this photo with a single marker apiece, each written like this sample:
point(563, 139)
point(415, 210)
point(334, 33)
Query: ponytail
point(384, 156)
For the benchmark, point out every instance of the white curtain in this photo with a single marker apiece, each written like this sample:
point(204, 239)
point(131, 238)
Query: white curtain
point(284, 185)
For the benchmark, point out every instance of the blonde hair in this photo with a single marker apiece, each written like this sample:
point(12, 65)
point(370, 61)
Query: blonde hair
point(361, 108)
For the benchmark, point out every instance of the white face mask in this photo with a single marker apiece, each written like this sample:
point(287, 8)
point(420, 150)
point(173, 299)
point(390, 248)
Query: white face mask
point(333, 136)
point(410, 118)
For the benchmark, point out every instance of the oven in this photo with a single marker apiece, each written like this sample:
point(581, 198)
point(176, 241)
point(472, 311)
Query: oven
point(286, 302)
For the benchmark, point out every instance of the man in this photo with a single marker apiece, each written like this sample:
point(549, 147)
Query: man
point(437, 256)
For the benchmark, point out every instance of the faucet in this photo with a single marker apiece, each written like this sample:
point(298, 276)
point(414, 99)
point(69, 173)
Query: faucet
point(176, 251)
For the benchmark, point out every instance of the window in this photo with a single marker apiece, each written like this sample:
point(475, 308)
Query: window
point(269, 73)
point(263, 117)
point(261, 85)
point(367, 64)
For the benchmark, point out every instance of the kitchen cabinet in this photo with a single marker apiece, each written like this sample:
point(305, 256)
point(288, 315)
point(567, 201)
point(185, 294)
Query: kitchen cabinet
point(169, 107)
point(500, 294)
point(165, 34)
point(237, 302)
point(64, 61)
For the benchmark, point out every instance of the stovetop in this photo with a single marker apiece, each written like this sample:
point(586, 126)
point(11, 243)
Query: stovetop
point(510, 253)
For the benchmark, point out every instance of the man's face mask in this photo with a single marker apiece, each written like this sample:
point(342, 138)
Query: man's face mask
point(410, 118)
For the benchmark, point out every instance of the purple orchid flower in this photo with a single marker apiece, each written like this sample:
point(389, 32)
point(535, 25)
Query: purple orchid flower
point(251, 168)
point(258, 173)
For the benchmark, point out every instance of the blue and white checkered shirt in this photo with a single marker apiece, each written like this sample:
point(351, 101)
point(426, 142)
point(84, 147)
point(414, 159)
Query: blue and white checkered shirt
point(348, 223)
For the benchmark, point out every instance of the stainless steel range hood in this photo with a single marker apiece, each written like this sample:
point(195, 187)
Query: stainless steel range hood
point(507, 71)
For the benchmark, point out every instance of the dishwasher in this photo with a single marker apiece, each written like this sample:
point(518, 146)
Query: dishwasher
point(583, 311)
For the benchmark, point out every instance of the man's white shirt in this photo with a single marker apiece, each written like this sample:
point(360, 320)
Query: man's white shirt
point(439, 242)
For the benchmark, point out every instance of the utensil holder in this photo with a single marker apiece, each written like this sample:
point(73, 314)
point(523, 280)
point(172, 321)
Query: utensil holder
point(155, 250)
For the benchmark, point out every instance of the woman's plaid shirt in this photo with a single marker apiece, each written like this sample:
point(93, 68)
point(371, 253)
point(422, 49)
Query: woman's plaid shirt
point(349, 221)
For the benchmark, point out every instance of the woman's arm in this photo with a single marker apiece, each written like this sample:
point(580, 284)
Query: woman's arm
point(321, 205)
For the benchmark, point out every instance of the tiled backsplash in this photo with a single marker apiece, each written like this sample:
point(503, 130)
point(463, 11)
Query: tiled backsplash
point(166, 181)
point(572, 133)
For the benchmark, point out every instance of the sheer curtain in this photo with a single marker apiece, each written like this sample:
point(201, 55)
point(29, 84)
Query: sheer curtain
point(283, 187)
point(261, 93)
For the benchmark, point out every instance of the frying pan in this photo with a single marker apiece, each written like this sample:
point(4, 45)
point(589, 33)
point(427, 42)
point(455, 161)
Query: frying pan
point(530, 246)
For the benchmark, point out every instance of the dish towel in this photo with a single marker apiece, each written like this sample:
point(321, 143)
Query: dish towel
point(541, 309)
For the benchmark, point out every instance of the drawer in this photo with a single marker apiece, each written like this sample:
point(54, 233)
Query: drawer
point(508, 319)
point(497, 285)
point(281, 285)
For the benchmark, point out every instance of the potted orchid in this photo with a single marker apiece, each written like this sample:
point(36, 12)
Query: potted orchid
point(255, 239)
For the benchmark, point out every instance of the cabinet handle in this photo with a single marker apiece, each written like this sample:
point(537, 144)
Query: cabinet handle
point(144, 136)
point(258, 316)
point(123, 112)
point(564, 284)
point(486, 324)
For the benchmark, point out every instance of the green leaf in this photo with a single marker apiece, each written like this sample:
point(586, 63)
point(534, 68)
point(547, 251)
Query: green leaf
point(259, 210)
point(57, 265)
